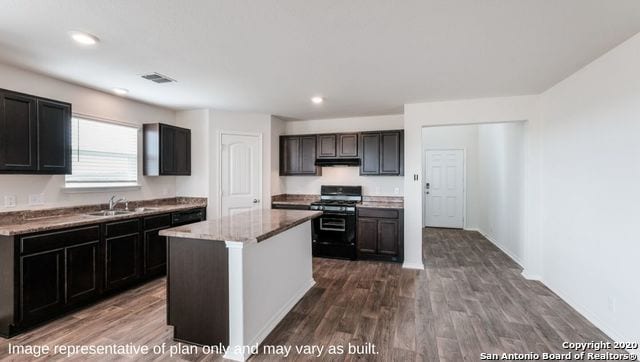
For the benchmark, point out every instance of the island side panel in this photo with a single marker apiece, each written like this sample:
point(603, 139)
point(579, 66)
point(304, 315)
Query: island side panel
point(198, 291)
point(277, 273)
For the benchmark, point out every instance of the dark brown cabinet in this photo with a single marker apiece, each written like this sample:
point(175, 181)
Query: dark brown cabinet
point(35, 135)
point(298, 156)
point(348, 145)
point(382, 153)
point(121, 245)
point(342, 145)
point(41, 284)
point(327, 145)
point(54, 137)
point(167, 150)
point(44, 275)
point(154, 245)
point(380, 234)
point(83, 272)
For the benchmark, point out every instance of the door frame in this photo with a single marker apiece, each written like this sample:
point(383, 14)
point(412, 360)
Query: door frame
point(464, 183)
point(220, 134)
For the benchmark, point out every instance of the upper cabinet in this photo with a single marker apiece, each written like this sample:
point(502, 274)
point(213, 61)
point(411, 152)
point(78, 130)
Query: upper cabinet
point(167, 150)
point(382, 153)
point(342, 145)
point(35, 135)
point(298, 156)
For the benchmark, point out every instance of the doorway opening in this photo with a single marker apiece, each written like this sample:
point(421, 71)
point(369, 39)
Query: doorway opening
point(473, 179)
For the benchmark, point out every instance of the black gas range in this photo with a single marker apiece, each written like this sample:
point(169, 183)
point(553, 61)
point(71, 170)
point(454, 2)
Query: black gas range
point(334, 233)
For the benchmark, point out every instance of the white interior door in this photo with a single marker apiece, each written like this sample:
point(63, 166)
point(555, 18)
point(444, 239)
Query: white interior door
point(240, 173)
point(444, 189)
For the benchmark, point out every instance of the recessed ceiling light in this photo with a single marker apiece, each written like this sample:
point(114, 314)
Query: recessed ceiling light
point(317, 100)
point(120, 91)
point(84, 38)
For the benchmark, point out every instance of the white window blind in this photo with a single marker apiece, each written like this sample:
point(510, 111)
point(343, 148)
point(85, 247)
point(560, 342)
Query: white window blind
point(103, 154)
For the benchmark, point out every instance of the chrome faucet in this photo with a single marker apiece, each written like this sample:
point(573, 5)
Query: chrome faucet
point(113, 203)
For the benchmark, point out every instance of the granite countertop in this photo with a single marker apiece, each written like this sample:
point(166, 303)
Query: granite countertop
point(379, 202)
point(290, 199)
point(25, 222)
point(246, 227)
point(381, 205)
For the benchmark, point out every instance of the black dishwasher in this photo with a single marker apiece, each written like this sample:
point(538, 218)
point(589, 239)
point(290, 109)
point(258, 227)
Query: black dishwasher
point(187, 217)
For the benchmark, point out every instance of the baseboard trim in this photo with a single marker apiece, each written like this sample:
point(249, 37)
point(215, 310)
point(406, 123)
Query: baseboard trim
point(531, 276)
point(418, 266)
point(502, 248)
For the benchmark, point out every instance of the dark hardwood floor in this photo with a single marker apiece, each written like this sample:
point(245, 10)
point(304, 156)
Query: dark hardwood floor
point(470, 299)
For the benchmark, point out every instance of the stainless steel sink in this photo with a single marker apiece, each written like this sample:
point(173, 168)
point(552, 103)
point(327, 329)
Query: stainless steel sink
point(110, 213)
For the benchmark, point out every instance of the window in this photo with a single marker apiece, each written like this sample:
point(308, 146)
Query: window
point(103, 154)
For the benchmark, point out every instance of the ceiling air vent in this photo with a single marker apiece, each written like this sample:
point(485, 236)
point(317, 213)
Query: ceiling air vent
point(158, 78)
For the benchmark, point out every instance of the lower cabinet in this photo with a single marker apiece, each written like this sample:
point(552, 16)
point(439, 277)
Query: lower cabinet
point(47, 274)
point(154, 245)
point(83, 272)
point(121, 245)
point(41, 284)
point(380, 234)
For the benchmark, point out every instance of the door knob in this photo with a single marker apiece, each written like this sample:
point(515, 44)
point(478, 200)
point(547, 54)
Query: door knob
point(256, 201)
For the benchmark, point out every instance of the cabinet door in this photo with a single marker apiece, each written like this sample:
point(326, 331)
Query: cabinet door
point(182, 151)
point(348, 145)
point(82, 281)
point(155, 253)
point(370, 153)
point(41, 284)
point(308, 155)
point(54, 137)
point(289, 155)
point(388, 236)
point(391, 153)
point(326, 146)
point(121, 260)
point(18, 132)
point(367, 235)
point(167, 150)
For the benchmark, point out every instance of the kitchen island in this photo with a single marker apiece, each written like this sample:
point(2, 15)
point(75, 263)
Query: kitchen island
point(232, 279)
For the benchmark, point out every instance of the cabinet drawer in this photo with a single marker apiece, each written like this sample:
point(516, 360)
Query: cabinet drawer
point(378, 213)
point(121, 228)
point(58, 239)
point(157, 221)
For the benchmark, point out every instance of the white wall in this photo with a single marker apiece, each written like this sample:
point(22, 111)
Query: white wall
point(500, 186)
point(352, 124)
point(458, 137)
point(87, 102)
point(475, 111)
point(591, 170)
point(278, 127)
point(371, 185)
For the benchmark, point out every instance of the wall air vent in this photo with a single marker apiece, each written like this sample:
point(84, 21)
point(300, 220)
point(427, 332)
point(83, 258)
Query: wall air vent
point(158, 78)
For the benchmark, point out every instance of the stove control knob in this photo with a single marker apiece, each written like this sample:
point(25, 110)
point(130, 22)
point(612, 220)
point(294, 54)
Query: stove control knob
point(342, 208)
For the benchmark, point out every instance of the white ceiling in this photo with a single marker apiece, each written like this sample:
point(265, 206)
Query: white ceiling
point(365, 57)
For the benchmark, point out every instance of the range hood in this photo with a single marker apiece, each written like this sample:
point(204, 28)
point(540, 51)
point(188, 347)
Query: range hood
point(324, 162)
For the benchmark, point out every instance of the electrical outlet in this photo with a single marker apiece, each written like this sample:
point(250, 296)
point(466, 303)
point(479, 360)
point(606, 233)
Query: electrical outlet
point(396, 190)
point(36, 199)
point(10, 201)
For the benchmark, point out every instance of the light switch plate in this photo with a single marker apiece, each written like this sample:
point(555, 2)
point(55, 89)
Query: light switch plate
point(36, 199)
point(10, 201)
